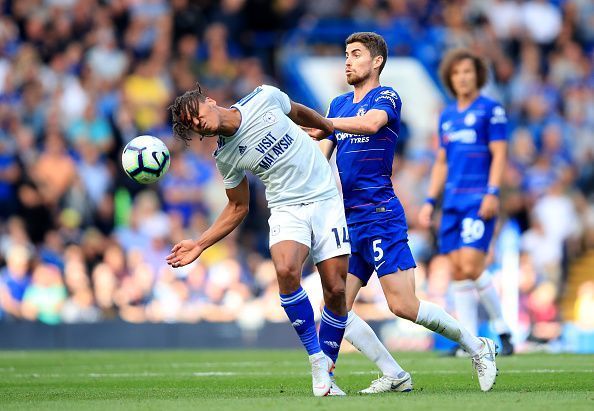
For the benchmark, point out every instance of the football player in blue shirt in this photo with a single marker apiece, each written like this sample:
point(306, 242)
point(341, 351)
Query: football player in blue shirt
point(469, 169)
point(367, 122)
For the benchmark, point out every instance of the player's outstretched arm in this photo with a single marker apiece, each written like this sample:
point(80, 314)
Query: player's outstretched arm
point(439, 173)
point(367, 124)
point(306, 117)
point(237, 207)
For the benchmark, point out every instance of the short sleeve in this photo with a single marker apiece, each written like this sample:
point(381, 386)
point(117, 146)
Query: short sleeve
point(497, 127)
point(389, 101)
point(231, 175)
point(280, 97)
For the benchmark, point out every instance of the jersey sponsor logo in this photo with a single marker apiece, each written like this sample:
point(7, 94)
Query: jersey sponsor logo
point(466, 136)
point(343, 136)
point(274, 152)
point(269, 117)
point(498, 116)
point(242, 149)
point(470, 119)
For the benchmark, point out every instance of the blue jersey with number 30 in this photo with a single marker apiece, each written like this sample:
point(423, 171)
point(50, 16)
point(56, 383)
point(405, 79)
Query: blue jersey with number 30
point(465, 135)
point(365, 161)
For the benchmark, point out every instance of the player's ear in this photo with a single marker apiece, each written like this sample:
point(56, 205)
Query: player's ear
point(210, 100)
point(377, 61)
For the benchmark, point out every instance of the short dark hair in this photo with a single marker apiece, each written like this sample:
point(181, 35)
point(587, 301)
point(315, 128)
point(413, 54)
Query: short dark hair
point(187, 103)
point(373, 42)
point(455, 56)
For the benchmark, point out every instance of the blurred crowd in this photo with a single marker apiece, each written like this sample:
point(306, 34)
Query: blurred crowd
point(80, 242)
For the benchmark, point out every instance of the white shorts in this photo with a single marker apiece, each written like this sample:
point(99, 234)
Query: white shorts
point(320, 225)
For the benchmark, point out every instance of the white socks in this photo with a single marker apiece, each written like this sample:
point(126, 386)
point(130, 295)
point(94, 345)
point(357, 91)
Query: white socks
point(466, 304)
point(360, 334)
point(490, 301)
point(436, 319)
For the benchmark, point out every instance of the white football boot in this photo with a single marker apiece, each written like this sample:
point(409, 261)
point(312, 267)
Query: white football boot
point(484, 364)
point(389, 384)
point(335, 389)
point(320, 375)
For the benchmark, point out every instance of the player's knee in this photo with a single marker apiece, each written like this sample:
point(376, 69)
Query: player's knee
point(403, 310)
point(288, 274)
point(336, 290)
point(468, 270)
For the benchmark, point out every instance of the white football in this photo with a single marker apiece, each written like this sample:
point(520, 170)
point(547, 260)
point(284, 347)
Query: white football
point(145, 159)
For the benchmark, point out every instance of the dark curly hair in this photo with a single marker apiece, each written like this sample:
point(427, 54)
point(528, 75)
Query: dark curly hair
point(455, 56)
point(187, 103)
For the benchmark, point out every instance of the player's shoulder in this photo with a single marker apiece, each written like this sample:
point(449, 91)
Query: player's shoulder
point(342, 99)
point(385, 94)
point(487, 102)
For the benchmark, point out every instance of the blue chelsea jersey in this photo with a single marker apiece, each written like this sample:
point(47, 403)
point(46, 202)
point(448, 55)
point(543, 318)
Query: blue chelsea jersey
point(365, 161)
point(465, 136)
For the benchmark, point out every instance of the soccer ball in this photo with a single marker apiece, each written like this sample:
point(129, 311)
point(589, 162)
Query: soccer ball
point(145, 159)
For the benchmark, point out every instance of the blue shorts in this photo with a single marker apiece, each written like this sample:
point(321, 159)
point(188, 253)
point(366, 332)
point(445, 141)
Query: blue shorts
point(464, 228)
point(380, 246)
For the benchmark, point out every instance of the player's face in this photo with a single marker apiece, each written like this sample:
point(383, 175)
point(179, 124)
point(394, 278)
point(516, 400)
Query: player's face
point(359, 63)
point(463, 78)
point(208, 122)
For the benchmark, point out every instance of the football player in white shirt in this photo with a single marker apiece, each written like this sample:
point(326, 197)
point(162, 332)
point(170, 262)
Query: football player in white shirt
point(261, 134)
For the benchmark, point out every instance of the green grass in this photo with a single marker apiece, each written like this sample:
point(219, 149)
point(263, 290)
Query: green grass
point(279, 380)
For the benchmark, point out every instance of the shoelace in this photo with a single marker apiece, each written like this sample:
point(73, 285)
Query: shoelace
point(479, 366)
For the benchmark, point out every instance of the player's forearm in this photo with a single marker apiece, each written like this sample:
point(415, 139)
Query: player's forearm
point(306, 117)
point(355, 125)
point(227, 221)
point(498, 160)
point(438, 177)
point(327, 148)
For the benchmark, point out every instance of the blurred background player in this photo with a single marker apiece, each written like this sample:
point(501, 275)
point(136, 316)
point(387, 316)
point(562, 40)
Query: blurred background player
point(367, 124)
point(258, 134)
point(469, 169)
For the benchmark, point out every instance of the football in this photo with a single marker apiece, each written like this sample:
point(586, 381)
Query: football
point(145, 159)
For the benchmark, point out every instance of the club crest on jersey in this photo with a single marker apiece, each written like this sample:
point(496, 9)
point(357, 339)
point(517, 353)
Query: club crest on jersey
point(361, 111)
point(269, 117)
point(470, 119)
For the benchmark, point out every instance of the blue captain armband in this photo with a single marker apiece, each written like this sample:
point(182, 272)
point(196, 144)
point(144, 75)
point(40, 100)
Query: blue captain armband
point(493, 190)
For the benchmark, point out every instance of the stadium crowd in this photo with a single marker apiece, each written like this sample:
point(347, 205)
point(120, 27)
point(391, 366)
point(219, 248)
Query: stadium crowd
point(80, 242)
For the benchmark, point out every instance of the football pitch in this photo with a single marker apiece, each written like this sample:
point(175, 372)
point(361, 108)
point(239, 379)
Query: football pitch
point(279, 380)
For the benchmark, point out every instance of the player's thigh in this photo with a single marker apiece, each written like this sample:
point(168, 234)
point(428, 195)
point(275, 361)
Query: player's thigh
point(399, 289)
point(288, 257)
point(329, 233)
point(289, 223)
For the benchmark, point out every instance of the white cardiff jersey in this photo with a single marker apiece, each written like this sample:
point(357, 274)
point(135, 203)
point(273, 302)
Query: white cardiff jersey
point(275, 149)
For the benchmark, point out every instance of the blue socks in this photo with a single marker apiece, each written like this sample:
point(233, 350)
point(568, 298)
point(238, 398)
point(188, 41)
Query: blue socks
point(331, 333)
point(300, 313)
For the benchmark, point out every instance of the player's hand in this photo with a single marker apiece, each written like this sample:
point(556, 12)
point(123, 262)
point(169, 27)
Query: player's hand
point(315, 133)
point(425, 214)
point(183, 253)
point(489, 207)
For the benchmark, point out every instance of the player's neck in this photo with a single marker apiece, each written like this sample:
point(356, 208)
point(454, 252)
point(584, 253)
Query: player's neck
point(364, 87)
point(463, 101)
point(230, 121)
